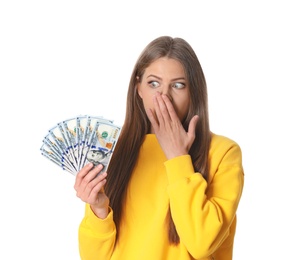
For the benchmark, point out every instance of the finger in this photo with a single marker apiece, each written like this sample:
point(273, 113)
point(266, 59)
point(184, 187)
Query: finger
point(87, 189)
point(86, 174)
point(82, 173)
point(170, 108)
point(84, 170)
point(92, 173)
point(157, 108)
point(96, 182)
point(95, 185)
point(98, 187)
point(192, 125)
point(152, 118)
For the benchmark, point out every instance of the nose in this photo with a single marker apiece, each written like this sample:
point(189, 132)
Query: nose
point(167, 91)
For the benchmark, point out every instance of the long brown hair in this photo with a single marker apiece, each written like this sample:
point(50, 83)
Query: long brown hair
point(137, 125)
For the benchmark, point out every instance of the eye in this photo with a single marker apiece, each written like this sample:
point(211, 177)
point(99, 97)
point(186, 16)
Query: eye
point(153, 84)
point(178, 85)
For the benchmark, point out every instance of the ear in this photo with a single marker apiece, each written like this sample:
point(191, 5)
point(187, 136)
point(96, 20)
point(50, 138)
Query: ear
point(138, 87)
point(139, 90)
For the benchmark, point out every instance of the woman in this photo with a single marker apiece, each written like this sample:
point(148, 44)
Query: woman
point(173, 187)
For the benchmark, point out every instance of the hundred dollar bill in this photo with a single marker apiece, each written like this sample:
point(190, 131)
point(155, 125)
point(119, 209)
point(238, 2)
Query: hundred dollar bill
point(88, 134)
point(101, 144)
point(52, 156)
point(76, 141)
point(71, 131)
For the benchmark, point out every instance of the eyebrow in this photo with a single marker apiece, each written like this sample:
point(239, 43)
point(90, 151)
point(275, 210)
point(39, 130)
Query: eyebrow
point(179, 78)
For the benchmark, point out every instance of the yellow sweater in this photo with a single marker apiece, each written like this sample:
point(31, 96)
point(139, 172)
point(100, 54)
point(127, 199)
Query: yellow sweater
point(204, 213)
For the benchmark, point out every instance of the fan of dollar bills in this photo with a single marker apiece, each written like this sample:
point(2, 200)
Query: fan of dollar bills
point(74, 142)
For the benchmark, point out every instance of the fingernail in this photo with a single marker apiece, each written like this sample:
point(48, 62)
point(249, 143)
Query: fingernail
point(100, 166)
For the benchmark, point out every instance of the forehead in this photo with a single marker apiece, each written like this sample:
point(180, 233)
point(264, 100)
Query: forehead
point(165, 66)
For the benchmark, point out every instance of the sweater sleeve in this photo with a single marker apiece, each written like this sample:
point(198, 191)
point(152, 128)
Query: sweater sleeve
point(96, 236)
point(203, 212)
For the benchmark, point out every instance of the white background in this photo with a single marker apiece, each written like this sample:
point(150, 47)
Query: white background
point(60, 58)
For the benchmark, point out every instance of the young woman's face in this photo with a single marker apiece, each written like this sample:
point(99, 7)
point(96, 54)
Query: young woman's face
point(167, 77)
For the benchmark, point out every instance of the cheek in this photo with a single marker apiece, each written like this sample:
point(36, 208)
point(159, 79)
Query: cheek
point(147, 103)
point(147, 99)
point(182, 107)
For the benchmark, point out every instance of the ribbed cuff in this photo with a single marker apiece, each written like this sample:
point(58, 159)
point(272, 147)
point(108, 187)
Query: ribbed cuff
point(102, 226)
point(178, 168)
